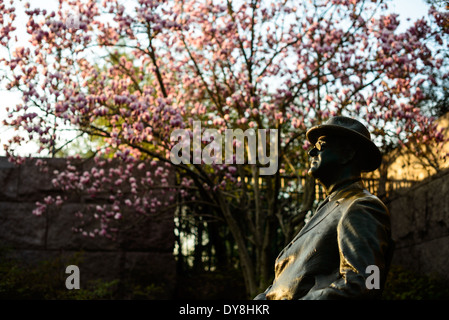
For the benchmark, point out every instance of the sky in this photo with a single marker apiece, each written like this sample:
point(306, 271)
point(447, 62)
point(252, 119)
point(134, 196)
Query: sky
point(412, 9)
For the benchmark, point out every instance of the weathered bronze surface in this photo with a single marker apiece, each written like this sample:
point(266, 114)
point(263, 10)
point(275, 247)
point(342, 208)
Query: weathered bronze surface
point(332, 256)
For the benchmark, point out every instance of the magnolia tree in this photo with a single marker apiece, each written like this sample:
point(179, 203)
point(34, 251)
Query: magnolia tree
point(147, 81)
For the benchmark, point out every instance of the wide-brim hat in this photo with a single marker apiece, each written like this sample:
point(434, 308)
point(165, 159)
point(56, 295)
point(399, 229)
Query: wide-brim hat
point(371, 156)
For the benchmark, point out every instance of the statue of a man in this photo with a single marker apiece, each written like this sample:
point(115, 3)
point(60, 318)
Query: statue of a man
point(348, 239)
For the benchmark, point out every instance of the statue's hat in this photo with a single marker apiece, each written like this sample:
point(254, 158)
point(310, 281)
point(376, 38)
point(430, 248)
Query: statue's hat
point(371, 156)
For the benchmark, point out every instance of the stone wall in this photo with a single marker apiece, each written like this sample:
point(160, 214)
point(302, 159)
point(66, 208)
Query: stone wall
point(144, 246)
point(420, 226)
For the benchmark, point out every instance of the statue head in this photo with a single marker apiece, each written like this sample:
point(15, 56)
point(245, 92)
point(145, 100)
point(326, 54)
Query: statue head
point(342, 147)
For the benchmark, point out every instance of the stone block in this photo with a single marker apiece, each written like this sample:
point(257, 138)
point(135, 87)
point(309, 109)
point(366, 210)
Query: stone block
point(428, 257)
point(99, 265)
point(9, 179)
point(438, 202)
point(19, 228)
point(433, 256)
point(139, 232)
point(62, 237)
point(36, 181)
point(402, 219)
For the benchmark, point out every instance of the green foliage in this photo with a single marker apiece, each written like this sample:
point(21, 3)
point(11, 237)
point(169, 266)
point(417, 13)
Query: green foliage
point(403, 284)
point(46, 281)
point(144, 292)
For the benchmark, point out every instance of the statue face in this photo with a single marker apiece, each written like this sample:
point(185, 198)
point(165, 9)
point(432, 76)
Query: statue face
point(325, 158)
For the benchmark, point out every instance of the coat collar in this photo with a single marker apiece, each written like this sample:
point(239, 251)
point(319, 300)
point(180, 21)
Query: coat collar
point(340, 188)
point(330, 204)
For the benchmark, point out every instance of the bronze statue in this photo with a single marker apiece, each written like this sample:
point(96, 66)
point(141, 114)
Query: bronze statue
point(349, 235)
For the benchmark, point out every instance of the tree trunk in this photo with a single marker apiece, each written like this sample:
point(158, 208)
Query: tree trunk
point(266, 263)
point(245, 259)
point(221, 261)
point(198, 250)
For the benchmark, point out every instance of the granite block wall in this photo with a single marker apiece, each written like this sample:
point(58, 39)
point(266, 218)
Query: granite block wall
point(143, 248)
point(420, 226)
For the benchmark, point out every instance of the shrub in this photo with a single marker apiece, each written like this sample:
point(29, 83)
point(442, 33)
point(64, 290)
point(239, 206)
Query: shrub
point(404, 284)
point(46, 281)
